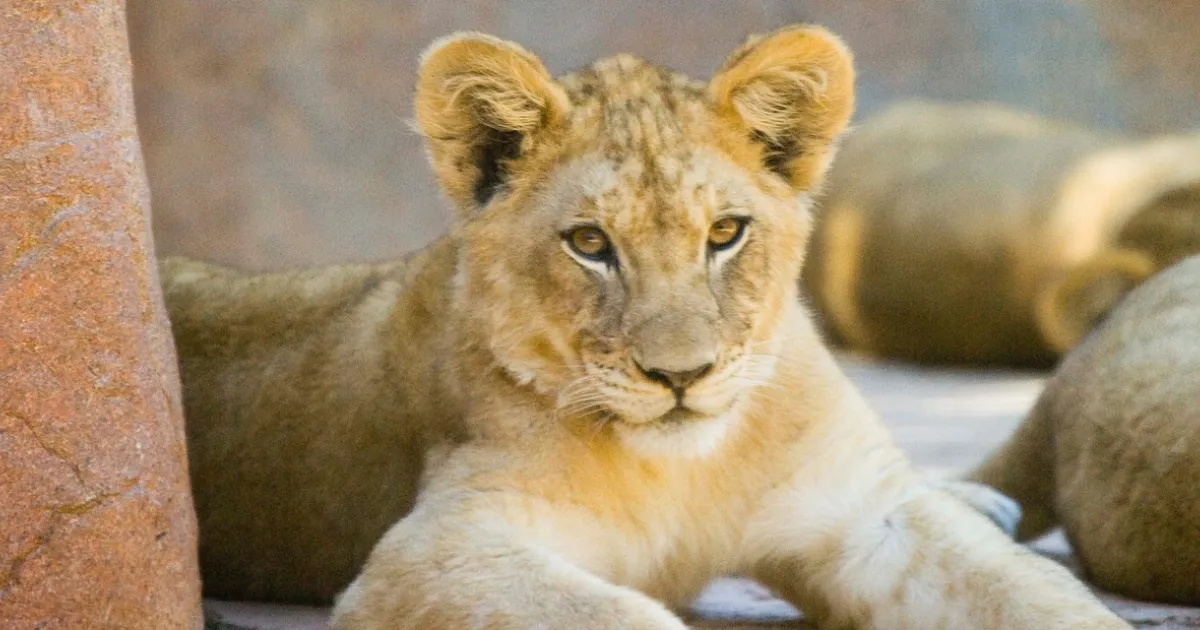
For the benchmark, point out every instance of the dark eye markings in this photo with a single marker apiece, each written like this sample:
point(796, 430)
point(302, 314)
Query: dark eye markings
point(591, 244)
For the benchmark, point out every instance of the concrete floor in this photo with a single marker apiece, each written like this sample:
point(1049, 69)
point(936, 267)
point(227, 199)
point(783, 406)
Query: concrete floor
point(946, 419)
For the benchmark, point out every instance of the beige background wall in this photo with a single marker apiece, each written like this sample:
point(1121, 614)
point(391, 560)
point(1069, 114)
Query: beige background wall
point(275, 130)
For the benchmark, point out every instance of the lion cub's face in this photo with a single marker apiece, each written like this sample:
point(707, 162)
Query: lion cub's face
point(631, 238)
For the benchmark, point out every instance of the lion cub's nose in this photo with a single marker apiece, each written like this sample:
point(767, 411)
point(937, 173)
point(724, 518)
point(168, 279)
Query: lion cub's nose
point(676, 348)
point(676, 380)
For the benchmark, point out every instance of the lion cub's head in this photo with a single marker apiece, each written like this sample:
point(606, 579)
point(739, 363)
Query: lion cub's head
point(631, 237)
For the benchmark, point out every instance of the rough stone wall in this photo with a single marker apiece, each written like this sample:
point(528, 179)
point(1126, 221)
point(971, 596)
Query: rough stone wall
point(96, 522)
point(275, 131)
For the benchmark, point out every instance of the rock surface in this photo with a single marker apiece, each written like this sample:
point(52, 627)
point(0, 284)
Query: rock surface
point(96, 522)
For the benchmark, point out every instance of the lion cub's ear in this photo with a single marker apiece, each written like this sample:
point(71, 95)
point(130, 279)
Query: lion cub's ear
point(792, 92)
point(1071, 306)
point(480, 103)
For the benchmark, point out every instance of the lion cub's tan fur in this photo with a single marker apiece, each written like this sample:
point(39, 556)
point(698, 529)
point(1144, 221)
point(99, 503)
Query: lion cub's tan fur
point(495, 412)
point(974, 233)
point(1112, 448)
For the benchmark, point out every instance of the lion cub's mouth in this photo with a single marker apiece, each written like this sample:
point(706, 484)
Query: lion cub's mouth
point(680, 414)
point(679, 432)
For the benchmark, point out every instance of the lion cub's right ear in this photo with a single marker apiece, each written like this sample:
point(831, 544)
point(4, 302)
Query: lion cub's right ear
point(1074, 304)
point(480, 103)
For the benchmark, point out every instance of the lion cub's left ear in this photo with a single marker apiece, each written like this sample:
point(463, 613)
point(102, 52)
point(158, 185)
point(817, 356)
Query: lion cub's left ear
point(480, 103)
point(792, 92)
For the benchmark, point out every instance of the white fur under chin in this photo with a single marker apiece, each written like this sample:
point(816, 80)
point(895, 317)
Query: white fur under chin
point(692, 438)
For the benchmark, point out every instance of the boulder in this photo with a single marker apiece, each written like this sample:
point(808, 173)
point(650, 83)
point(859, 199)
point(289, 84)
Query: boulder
point(96, 521)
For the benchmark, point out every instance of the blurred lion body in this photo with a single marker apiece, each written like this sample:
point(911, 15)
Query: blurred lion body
point(978, 234)
point(1111, 450)
point(515, 432)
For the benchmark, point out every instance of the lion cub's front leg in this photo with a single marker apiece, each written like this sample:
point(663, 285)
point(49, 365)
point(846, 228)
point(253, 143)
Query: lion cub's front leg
point(462, 566)
point(857, 541)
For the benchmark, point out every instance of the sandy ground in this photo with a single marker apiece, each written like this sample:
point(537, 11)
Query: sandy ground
point(946, 419)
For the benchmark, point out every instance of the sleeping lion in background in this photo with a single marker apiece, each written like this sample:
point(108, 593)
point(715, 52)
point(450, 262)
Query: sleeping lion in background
point(977, 234)
point(599, 391)
point(1111, 450)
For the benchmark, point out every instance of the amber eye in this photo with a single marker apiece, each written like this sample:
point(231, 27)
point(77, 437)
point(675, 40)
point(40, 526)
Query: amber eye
point(589, 242)
point(725, 232)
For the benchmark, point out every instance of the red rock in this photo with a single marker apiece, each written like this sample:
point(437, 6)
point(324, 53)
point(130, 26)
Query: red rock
point(96, 522)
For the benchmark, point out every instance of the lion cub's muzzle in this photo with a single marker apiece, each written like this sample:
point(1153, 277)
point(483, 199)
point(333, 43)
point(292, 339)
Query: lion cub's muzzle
point(675, 350)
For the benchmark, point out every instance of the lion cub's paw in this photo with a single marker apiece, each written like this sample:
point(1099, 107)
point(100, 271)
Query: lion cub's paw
point(630, 614)
point(555, 609)
point(1002, 511)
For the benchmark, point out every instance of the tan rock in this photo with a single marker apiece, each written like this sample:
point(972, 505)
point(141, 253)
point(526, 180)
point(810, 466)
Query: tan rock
point(96, 522)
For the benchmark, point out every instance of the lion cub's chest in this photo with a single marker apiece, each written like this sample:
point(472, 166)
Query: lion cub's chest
point(664, 530)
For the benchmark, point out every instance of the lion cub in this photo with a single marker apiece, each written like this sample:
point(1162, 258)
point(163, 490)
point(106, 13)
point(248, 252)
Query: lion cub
point(1112, 448)
point(596, 393)
point(972, 233)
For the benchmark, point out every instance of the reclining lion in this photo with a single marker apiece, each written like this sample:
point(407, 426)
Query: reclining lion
point(1112, 448)
point(977, 234)
point(596, 393)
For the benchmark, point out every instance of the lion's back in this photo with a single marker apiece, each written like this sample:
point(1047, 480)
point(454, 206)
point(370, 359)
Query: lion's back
point(926, 204)
point(274, 368)
point(1126, 407)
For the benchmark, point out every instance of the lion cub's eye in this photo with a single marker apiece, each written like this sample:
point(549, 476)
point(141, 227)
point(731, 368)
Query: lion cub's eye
point(725, 233)
point(590, 243)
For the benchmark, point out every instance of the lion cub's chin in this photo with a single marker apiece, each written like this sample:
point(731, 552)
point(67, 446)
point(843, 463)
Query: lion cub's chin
point(689, 435)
